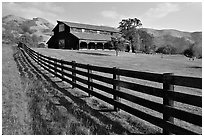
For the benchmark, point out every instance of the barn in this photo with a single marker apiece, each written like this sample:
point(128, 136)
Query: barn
point(69, 35)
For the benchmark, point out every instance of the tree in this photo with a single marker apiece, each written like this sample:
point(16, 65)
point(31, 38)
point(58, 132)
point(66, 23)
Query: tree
point(128, 28)
point(168, 49)
point(147, 41)
point(189, 52)
point(114, 42)
point(26, 39)
point(119, 44)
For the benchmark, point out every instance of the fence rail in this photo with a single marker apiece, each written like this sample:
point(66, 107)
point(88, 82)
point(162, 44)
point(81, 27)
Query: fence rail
point(60, 69)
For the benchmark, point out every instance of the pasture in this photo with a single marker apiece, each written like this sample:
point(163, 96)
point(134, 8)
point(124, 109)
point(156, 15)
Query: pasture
point(177, 64)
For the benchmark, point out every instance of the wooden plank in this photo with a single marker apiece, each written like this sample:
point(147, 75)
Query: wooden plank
point(143, 102)
point(184, 115)
point(140, 88)
point(187, 81)
point(96, 68)
point(84, 66)
point(185, 98)
point(102, 87)
point(141, 75)
point(66, 62)
point(94, 76)
point(102, 69)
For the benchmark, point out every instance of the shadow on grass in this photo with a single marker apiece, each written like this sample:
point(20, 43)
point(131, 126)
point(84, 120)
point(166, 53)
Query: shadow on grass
point(195, 67)
point(95, 54)
point(78, 108)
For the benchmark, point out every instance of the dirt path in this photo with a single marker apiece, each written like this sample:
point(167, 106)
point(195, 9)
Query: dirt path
point(42, 104)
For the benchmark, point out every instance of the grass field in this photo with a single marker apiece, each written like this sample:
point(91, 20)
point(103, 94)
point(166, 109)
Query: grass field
point(177, 64)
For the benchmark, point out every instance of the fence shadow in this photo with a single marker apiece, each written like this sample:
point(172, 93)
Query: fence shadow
point(83, 110)
point(94, 54)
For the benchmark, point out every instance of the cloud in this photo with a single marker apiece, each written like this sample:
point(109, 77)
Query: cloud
point(110, 14)
point(162, 10)
point(30, 10)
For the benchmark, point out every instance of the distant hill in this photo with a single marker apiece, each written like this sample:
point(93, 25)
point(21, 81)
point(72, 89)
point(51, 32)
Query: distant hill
point(14, 26)
point(180, 40)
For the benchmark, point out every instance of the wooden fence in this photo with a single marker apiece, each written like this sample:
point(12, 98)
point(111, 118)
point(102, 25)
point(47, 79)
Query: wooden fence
point(60, 69)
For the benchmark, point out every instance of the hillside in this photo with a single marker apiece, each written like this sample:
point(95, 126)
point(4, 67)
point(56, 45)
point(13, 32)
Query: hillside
point(180, 40)
point(14, 26)
point(161, 36)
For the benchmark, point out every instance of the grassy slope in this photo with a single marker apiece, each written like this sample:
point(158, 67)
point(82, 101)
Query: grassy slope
point(15, 117)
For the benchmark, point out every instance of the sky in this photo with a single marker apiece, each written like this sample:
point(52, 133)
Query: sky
point(184, 16)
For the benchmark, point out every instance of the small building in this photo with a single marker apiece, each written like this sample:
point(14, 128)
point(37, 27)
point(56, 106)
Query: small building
point(69, 35)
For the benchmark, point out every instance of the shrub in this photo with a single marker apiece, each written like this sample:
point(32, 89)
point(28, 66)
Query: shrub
point(26, 28)
point(188, 53)
point(166, 49)
point(26, 39)
point(41, 45)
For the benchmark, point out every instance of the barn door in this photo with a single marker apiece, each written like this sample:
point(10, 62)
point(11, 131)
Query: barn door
point(61, 44)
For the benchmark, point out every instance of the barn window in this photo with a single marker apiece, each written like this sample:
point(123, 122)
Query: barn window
point(61, 27)
point(61, 44)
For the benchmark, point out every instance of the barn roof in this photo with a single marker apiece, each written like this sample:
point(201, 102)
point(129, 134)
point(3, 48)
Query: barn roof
point(88, 26)
point(51, 39)
point(92, 36)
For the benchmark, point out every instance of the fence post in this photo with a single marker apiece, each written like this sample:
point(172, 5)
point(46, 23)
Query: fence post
point(89, 78)
point(62, 69)
point(167, 102)
point(73, 73)
point(38, 57)
point(55, 66)
point(115, 87)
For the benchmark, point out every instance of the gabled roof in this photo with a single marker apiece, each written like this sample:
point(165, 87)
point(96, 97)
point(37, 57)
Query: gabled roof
point(51, 39)
point(88, 26)
point(91, 36)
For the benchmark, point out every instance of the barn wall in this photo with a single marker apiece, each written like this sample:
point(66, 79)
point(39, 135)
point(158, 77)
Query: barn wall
point(70, 41)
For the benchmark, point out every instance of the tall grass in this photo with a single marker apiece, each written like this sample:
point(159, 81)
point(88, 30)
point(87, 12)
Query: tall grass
point(47, 115)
